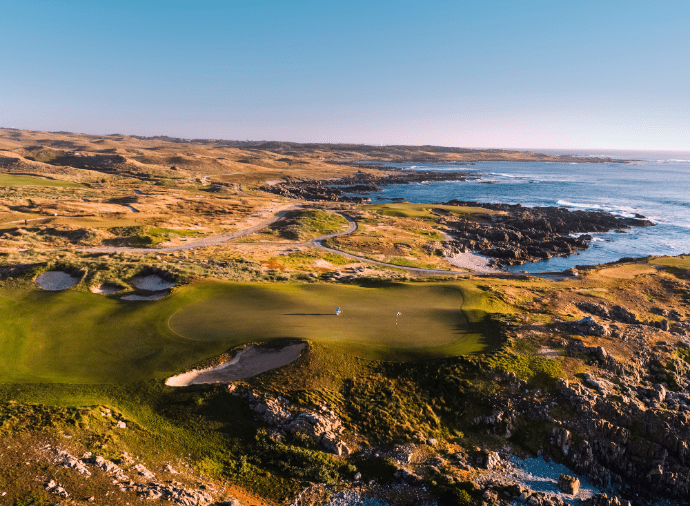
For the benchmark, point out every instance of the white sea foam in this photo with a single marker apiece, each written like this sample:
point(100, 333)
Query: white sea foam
point(624, 211)
point(508, 175)
point(577, 204)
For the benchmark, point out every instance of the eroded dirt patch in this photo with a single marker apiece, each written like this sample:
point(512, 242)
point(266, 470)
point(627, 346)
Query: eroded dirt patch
point(152, 283)
point(107, 288)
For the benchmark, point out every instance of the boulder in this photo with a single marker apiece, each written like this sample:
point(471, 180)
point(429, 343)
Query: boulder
point(568, 484)
point(68, 460)
point(604, 500)
point(588, 326)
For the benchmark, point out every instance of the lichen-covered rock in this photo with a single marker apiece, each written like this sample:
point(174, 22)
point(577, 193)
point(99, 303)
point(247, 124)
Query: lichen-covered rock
point(66, 460)
point(333, 444)
point(321, 425)
point(588, 326)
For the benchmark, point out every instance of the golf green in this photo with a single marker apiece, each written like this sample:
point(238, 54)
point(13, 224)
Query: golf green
point(79, 337)
point(430, 319)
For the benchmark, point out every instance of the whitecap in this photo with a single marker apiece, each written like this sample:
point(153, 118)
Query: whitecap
point(577, 204)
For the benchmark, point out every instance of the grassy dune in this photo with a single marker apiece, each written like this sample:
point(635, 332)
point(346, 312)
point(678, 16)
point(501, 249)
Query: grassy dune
point(78, 337)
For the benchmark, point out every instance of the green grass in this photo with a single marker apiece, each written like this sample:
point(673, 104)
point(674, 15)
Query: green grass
point(432, 323)
point(12, 180)
point(679, 262)
point(78, 337)
point(305, 225)
point(165, 233)
point(425, 211)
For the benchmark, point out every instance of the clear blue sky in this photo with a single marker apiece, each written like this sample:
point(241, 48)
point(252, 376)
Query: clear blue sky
point(524, 74)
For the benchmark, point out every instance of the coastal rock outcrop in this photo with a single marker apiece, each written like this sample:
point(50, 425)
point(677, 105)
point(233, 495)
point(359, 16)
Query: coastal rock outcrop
point(321, 425)
point(519, 234)
point(335, 190)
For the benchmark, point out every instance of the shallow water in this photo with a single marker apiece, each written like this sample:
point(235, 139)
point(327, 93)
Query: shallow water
point(656, 185)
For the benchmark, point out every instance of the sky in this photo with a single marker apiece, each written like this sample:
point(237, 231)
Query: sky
point(499, 74)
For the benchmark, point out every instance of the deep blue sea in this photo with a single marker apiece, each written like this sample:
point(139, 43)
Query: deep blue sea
point(656, 185)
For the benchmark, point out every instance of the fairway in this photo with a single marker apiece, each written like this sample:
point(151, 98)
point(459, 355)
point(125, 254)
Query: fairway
point(12, 180)
point(79, 337)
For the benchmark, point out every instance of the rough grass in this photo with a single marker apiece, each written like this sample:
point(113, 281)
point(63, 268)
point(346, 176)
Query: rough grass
point(149, 236)
point(208, 428)
point(306, 225)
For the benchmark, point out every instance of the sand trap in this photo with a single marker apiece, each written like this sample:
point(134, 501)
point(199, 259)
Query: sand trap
point(152, 296)
point(56, 280)
point(473, 262)
point(248, 362)
point(152, 283)
point(107, 288)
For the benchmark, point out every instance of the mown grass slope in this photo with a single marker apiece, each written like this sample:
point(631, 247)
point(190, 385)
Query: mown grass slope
point(21, 180)
point(78, 337)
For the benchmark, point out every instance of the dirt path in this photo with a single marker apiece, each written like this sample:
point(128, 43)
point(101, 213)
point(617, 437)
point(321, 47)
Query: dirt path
point(27, 220)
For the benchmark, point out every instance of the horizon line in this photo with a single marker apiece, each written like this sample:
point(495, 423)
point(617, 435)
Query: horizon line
point(372, 144)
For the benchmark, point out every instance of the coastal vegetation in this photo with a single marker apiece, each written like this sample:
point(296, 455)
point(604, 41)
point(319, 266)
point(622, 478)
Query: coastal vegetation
point(429, 380)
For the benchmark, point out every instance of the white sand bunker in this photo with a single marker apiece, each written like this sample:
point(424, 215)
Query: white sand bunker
point(151, 283)
point(56, 280)
point(107, 288)
point(151, 296)
point(248, 362)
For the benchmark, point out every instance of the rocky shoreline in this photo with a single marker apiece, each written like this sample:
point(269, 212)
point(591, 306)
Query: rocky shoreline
point(513, 236)
point(528, 234)
point(335, 190)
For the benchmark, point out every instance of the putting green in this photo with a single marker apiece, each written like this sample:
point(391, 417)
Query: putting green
point(431, 320)
point(79, 337)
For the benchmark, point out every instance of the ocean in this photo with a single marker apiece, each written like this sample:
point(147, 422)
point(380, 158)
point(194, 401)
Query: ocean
point(656, 185)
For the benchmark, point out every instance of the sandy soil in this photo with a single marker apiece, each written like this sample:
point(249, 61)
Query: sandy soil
point(152, 282)
point(153, 296)
point(106, 289)
point(248, 362)
point(545, 351)
point(473, 262)
point(56, 280)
